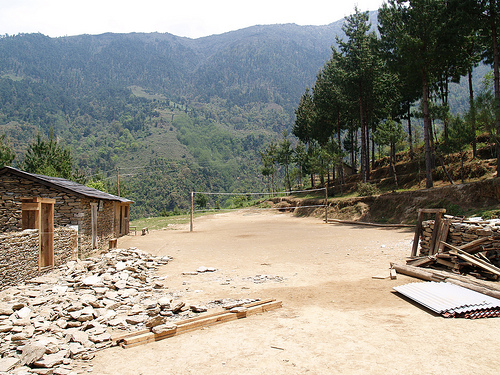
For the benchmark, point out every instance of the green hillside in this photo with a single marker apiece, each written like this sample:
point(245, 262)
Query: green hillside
point(174, 114)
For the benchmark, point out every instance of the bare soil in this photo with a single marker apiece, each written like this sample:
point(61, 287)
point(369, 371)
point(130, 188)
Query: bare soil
point(335, 319)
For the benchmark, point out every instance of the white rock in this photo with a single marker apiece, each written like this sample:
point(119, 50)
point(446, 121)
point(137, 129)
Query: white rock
point(7, 363)
point(23, 313)
point(92, 280)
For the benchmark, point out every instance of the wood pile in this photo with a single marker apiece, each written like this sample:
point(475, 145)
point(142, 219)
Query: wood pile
point(458, 245)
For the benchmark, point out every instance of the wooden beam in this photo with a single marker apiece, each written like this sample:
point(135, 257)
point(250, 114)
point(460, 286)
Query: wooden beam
point(433, 210)
point(189, 325)
point(474, 260)
point(437, 225)
point(473, 244)
point(418, 262)
point(418, 230)
point(442, 236)
point(25, 206)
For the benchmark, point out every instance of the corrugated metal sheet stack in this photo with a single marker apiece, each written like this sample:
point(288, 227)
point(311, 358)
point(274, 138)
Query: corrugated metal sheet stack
point(451, 301)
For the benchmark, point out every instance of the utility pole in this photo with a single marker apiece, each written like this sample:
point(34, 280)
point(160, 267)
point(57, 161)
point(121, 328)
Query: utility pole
point(118, 179)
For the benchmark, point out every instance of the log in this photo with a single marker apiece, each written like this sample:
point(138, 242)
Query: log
point(435, 275)
point(415, 272)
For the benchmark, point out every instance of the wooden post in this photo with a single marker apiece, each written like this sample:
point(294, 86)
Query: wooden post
point(326, 204)
point(192, 209)
point(418, 229)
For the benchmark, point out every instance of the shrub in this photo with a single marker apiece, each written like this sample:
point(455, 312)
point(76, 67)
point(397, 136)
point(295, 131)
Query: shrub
point(367, 189)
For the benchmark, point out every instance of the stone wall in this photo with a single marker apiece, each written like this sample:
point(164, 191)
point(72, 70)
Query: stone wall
point(105, 226)
point(12, 189)
point(69, 209)
point(459, 233)
point(19, 253)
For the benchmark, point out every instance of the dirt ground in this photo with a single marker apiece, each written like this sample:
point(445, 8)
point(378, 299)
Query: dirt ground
point(335, 319)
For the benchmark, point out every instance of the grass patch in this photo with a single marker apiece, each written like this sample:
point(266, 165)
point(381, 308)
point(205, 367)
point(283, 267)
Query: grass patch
point(162, 222)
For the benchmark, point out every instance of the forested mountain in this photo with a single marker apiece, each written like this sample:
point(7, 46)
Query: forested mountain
point(174, 114)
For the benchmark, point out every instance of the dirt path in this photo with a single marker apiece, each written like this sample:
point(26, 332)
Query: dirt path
point(336, 319)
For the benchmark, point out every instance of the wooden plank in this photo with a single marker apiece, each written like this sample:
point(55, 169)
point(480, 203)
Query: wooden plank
point(264, 308)
point(446, 263)
point(418, 230)
point(185, 327)
point(138, 338)
point(394, 274)
point(473, 244)
point(473, 260)
point(261, 302)
point(419, 262)
point(445, 227)
point(120, 337)
point(437, 226)
point(30, 206)
point(182, 327)
point(433, 210)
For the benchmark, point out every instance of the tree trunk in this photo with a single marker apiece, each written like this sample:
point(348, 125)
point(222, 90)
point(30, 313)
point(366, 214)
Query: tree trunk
point(496, 80)
point(364, 174)
point(427, 132)
point(472, 110)
point(392, 160)
point(373, 153)
point(341, 170)
point(441, 159)
point(410, 136)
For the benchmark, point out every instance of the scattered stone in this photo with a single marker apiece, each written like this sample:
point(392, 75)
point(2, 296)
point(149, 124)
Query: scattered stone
point(51, 360)
point(32, 353)
point(163, 329)
point(176, 306)
point(136, 319)
point(6, 309)
point(203, 269)
point(23, 313)
point(8, 363)
point(156, 321)
point(198, 308)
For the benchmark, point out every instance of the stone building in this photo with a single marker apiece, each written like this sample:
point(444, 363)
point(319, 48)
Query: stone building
point(99, 217)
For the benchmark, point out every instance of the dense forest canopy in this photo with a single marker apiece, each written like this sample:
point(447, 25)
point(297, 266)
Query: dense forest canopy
point(177, 114)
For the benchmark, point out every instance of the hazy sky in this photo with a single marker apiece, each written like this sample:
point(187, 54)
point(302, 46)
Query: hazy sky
point(191, 18)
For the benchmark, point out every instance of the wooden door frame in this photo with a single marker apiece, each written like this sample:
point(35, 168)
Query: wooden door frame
point(38, 213)
point(94, 206)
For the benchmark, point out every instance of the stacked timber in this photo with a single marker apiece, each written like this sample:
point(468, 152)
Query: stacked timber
point(461, 246)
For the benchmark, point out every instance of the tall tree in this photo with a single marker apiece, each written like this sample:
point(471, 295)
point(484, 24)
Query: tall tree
point(48, 157)
point(284, 158)
point(424, 36)
point(488, 12)
point(363, 67)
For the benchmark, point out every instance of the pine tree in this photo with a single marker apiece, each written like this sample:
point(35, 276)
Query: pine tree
point(6, 154)
point(48, 157)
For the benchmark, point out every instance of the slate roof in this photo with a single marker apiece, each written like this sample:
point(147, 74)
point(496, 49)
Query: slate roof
point(65, 185)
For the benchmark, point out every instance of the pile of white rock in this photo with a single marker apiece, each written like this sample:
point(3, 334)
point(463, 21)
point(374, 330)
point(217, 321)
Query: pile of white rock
point(50, 324)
